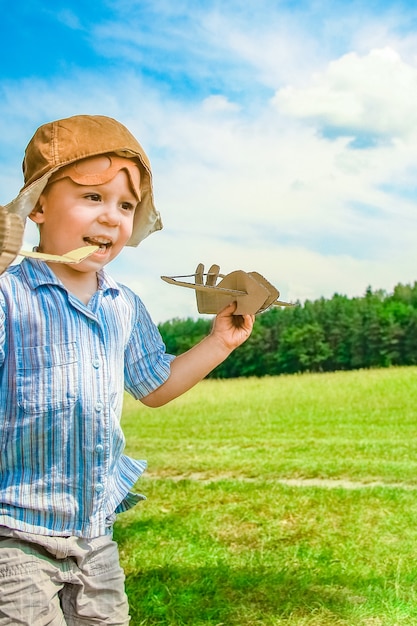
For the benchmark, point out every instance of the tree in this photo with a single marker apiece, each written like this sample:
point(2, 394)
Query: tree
point(376, 330)
point(303, 349)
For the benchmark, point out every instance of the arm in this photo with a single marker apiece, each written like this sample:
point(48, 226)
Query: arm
point(229, 332)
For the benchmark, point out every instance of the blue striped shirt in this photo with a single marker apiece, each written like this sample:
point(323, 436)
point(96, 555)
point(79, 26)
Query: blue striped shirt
point(64, 367)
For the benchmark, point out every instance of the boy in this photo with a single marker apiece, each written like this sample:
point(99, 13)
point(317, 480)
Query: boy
point(71, 341)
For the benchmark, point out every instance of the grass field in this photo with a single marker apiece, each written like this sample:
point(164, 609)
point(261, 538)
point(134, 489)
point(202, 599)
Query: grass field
point(289, 500)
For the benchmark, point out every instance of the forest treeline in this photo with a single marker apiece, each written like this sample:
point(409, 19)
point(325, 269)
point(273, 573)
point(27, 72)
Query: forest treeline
point(341, 333)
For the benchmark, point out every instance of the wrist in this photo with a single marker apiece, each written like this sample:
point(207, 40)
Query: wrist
point(218, 346)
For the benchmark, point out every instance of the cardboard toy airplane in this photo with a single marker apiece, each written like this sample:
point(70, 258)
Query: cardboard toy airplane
point(11, 236)
point(251, 291)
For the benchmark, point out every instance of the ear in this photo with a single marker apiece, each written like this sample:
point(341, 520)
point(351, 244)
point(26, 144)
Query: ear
point(37, 214)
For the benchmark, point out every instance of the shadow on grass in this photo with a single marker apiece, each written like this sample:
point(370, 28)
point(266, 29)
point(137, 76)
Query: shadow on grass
point(214, 595)
point(227, 595)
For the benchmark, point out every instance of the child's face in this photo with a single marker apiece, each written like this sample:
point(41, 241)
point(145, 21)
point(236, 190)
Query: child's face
point(71, 216)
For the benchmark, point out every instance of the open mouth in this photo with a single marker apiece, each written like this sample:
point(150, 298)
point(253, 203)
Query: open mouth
point(103, 244)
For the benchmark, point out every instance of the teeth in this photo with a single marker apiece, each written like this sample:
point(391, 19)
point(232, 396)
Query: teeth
point(99, 241)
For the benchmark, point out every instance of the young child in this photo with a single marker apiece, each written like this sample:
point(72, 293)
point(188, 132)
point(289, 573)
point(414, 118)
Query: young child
point(71, 341)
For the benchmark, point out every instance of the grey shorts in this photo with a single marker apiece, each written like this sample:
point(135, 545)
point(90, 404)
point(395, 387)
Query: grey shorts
point(58, 581)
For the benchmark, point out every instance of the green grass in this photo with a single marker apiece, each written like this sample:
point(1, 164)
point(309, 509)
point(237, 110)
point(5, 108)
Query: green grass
point(289, 500)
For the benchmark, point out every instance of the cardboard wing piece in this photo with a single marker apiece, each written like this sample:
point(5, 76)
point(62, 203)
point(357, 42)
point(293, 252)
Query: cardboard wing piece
point(11, 237)
point(74, 256)
point(251, 291)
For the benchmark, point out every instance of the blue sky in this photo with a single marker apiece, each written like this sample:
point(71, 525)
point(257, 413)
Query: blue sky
point(282, 135)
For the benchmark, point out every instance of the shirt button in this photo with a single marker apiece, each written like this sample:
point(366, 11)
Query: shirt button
point(96, 363)
point(99, 448)
point(98, 407)
point(99, 488)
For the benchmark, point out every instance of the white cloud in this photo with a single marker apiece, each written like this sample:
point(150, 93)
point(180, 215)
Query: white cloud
point(69, 18)
point(219, 103)
point(372, 95)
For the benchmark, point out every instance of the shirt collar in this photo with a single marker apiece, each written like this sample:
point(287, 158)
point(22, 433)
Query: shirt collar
point(37, 273)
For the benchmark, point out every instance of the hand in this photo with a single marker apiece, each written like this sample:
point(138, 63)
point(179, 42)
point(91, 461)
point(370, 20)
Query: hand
point(187, 369)
point(232, 330)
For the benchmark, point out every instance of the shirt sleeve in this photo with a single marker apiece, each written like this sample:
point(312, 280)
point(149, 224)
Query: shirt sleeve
point(147, 364)
point(2, 329)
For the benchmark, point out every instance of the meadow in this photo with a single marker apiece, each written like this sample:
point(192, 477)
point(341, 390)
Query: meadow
point(287, 500)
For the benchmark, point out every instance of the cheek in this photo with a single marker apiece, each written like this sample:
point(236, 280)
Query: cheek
point(128, 225)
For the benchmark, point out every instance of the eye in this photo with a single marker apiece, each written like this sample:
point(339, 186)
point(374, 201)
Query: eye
point(95, 197)
point(128, 206)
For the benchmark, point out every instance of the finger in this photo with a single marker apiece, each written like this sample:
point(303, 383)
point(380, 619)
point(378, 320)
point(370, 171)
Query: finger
point(242, 321)
point(229, 309)
point(247, 321)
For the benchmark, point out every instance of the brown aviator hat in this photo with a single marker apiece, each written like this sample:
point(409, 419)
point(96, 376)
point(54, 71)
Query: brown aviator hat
point(57, 144)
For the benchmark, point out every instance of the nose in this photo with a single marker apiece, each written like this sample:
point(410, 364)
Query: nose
point(110, 214)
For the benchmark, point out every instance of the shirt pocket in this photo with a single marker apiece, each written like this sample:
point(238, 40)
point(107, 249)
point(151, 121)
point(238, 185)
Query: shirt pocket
point(46, 377)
